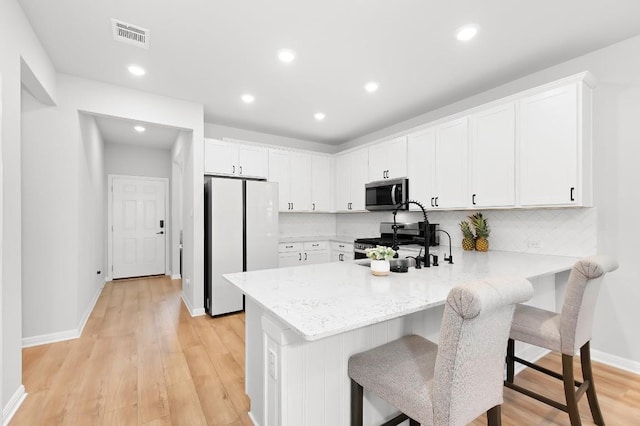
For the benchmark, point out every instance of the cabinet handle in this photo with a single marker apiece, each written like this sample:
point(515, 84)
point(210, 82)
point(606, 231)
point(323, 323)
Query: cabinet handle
point(313, 206)
point(299, 256)
point(233, 169)
point(240, 169)
point(432, 204)
point(340, 257)
point(436, 201)
point(341, 245)
point(315, 245)
point(473, 199)
point(571, 193)
point(291, 206)
point(305, 256)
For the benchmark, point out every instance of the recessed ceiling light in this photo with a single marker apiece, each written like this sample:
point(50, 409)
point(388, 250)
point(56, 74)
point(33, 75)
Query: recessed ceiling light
point(319, 116)
point(286, 55)
point(136, 70)
point(371, 86)
point(139, 129)
point(247, 98)
point(467, 32)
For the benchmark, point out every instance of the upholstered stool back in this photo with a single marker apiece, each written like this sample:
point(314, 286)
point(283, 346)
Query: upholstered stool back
point(469, 367)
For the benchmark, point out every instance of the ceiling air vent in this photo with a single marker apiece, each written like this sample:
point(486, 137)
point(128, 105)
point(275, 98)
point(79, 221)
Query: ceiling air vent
point(130, 34)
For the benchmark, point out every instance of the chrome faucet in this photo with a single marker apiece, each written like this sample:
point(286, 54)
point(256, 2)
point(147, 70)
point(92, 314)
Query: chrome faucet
point(427, 233)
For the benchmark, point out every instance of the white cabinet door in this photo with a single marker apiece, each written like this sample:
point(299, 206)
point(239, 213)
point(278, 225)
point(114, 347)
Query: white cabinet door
point(452, 146)
point(388, 160)
point(549, 124)
point(314, 257)
point(321, 183)
point(359, 177)
point(421, 167)
point(220, 158)
point(279, 172)
point(253, 161)
point(300, 181)
point(342, 183)
point(493, 157)
point(289, 259)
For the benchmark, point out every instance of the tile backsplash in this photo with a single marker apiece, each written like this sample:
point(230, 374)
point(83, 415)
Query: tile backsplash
point(561, 231)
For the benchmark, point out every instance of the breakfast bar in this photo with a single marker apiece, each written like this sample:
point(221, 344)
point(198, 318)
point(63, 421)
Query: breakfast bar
point(303, 323)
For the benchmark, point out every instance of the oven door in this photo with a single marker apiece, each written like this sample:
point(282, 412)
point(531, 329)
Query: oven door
point(386, 194)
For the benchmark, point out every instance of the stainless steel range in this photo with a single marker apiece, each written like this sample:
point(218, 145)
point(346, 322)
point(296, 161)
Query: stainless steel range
point(408, 233)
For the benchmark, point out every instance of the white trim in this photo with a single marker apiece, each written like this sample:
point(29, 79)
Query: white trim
point(253, 420)
point(193, 312)
point(61, 336)
point(13, 404)
point(176, 277)
point(616, 361)
point(167, 228)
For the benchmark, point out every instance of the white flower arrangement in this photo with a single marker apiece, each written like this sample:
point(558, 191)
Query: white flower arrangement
point(380, 253)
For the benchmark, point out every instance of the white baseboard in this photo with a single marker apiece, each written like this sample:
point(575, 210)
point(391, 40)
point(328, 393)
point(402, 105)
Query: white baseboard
point(60, 336)
point(253, 420)
point(193, 312)
point(12, 406)
point(616, 361)
point(176, 277)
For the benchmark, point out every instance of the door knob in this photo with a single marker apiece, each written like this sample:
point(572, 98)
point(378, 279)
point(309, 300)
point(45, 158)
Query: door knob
point(160, 233)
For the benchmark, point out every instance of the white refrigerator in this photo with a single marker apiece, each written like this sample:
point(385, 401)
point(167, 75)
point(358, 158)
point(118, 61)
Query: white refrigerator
point(241, 234)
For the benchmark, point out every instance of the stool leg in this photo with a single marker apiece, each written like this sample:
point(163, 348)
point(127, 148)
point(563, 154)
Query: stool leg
point(356, 404)
point(413, 422)
point(510, 361)
point(494, 417)
point(570, 390)
point(587, 375)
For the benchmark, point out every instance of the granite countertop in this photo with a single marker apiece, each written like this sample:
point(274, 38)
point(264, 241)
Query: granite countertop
point(318, 301)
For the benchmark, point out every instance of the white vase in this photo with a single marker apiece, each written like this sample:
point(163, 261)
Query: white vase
point(380, 267)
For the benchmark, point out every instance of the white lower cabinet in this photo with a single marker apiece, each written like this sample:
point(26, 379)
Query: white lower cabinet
point(302, 253)
point(341, 252)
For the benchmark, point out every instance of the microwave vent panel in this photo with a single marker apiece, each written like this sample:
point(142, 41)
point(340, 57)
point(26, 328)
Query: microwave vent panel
point(130, 34)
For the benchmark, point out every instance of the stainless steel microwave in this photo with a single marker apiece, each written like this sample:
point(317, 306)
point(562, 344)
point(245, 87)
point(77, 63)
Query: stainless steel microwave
point(387, 194)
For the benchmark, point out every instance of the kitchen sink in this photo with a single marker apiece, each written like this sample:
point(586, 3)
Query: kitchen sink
point(394, 263)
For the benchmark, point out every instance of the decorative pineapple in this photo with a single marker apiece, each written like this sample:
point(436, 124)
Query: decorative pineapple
point(482, 231)
point(468, 240)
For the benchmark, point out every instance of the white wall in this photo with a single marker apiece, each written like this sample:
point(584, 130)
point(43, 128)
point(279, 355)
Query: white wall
point(616, 152)
point(217, 131)
point(18, 45)
point(177, 195)
point(63, 141)
point(92, 216)
point(137, 161)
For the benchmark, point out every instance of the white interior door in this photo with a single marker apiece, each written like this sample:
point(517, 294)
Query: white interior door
point(138, 226)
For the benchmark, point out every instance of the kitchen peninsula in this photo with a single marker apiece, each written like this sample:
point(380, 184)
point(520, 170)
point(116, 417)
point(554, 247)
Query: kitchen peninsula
point(302, 323)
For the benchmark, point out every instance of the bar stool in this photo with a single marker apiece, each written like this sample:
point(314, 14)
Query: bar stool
point(565, 333)
point(456, 381)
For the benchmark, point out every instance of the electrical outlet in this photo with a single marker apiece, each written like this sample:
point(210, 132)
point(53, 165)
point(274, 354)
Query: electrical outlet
point(273, 360)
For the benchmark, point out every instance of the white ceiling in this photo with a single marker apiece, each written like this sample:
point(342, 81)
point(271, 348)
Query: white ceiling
point(212, 52)
point(120, 131)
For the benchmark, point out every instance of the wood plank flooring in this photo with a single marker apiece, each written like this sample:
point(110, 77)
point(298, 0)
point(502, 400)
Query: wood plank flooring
point(143, 360)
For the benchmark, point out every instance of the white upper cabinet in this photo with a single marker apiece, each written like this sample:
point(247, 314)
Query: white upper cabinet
point(451, 168)
point(292, 171)
point(421, 167)
point(235, 159)
point(493, 157)
point(388, 160)
point(554, 147)
point(352, 173)
point(321, 183)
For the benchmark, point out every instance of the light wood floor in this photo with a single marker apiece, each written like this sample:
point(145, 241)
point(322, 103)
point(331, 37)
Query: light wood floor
point(143, 360)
